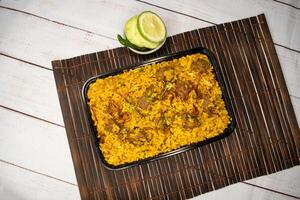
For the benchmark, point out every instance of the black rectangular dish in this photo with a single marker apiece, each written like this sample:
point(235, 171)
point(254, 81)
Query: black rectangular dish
point(218, 77)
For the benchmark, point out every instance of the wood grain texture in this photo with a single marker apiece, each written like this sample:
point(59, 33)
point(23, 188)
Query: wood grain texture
point(28, 98)
point(103, 23)
point(284, 18)
point(284, 21)
point(290, 63)
point(291, 3)
point(290, 178)
point(296, 106)
point(45, 41)
point(246, 192)
point(29, 89)
point(46, 143)
point(265, 141)
point(32, 186)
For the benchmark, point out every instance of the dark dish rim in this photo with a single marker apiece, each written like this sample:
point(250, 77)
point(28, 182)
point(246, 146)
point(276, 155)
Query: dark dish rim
point(225, 97)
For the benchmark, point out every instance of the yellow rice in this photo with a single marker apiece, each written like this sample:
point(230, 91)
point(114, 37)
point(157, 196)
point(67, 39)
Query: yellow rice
point(157, 108)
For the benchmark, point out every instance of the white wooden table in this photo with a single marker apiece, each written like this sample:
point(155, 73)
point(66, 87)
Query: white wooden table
point(35, 160)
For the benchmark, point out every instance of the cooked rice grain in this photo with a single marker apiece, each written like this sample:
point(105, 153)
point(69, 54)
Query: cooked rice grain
point(157, 108)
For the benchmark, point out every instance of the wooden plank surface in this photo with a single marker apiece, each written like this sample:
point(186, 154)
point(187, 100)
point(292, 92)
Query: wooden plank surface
point(284, 17)
point(101, 23)
point(284, 21)
point(38, 142)
point(291, 3)
point(44, 38)
point(274, 181)
point(18, 183)
point(28, 100)
point(34, 85)
point(245, 192)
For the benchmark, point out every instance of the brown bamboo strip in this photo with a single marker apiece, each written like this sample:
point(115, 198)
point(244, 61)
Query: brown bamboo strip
point(241, 90)
point(184, 178)
point(175, 180)
point(143, 186)
point(160, 184)
point(234, 38)
point(150, 182)
point(215, 146)
point(106, 177)
point(119, 175)
point(182, 157)
point(186, 168)
point(138, 188)
point(190, 173)
point(58, 72)
point(232, 144)
point(274, 61)
point(98, 182)
point(266, 138)
point(275, 122)
point(222, 59)
point(208, 182)
point(187, 160)
point(260, 102)
point(274, 67)
point(205, 36)
point(240, 117)
point(77, 100)
point(196, 176)
point(157, 182)
point(245, 119)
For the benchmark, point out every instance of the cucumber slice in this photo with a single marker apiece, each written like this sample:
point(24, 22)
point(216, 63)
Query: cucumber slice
point(134, 36)
point(151, 27)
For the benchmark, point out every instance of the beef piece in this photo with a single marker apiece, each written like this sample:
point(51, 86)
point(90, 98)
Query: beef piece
point(182, 90)
point(160, 74)
point(102, 139)
point(195, 112)
point(109, 126)
point(113, 108)
point(200, 65)
point(146, 98)
point(198, 92)
point(123, 117)
point(205, 103)
point(143, 102)
point(190, 121)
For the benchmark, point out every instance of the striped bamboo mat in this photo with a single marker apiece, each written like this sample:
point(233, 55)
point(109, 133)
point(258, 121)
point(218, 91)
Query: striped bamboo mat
point(265, 140)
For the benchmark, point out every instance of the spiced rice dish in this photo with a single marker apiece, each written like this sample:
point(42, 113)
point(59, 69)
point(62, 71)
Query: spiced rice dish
point(157, 108)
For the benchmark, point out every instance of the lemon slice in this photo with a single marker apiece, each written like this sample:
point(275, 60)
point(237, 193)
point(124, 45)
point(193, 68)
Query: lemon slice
point(151, 27)
point(134, 36)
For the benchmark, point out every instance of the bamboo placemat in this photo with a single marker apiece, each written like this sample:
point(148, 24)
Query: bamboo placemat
point(266, 138)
